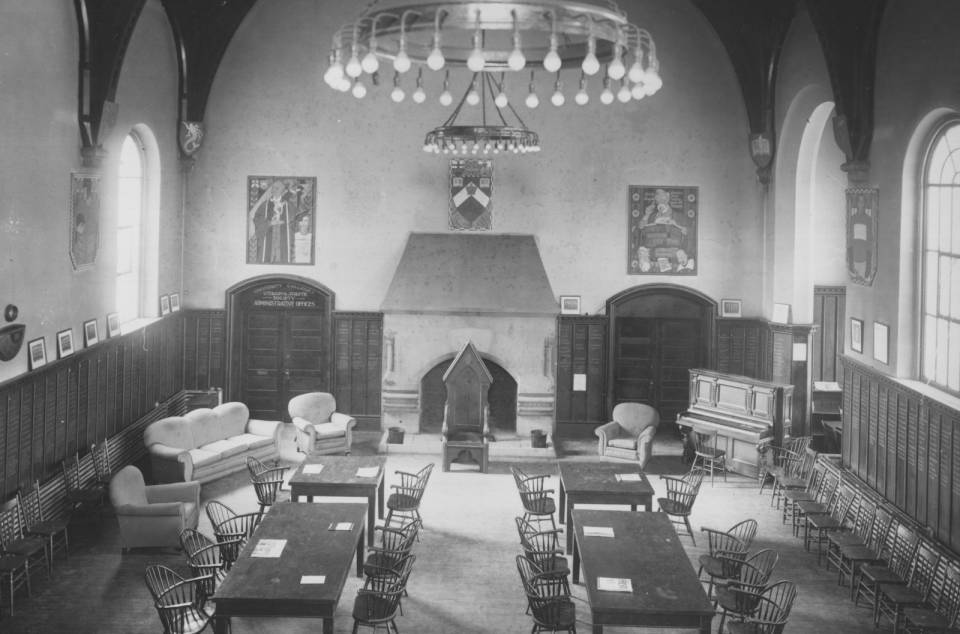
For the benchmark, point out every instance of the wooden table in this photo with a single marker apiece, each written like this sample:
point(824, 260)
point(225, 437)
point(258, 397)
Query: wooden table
point(645, 548)
point(271, 586)
point(596, 483)
point(339, 478)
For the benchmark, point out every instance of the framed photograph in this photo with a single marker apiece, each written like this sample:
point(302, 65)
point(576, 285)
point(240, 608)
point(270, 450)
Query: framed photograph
point(174, 302)
point(662, 223)
point(65, 343)
point(164, 305)
point(781, 314)
point(90, 333)
point(113, 324)
point(281, 213)
point(84, 219)
point(569, 304)
point(37, 350)
point(881, 341)
point(730, 308)
point(471, 194)
point(856, 334)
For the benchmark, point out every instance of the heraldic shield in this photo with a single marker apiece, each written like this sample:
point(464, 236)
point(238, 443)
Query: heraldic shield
point(862, 234)
point(471, 191)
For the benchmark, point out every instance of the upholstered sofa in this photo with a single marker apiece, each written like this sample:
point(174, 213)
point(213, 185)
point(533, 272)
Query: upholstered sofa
point(206, 444)
point(630, 434)
point(152, 515)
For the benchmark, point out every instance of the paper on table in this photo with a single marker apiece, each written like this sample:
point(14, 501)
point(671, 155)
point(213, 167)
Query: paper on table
point(312, 468)
point(614, 584)
point(341, 526)
point(313, 579)
point(268, 548)
point(367, 472)
point(598, 531)
point(628, 477)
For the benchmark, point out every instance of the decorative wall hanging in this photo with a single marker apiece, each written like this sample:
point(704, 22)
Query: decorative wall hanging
point(190, 137)
point(862, 210)
point(662, 230)
point(281, 214)
point(84, 219)
point(11, 337)
point(471, 191)
point(65, 343)
point(174, 302)
point(37, 350)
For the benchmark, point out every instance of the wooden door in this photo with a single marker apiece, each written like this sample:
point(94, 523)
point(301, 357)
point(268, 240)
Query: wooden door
point(652, 357)
point(280, 344)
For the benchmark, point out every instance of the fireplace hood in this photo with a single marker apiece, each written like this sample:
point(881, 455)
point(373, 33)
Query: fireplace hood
point(470, 273)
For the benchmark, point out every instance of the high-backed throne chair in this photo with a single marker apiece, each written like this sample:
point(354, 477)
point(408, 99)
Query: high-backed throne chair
point(465, 427)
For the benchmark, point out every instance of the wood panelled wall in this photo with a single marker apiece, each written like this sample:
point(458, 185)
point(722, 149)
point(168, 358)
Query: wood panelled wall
point(904, 445)
point(742, 347)
point(204, 349)
point(93, 394)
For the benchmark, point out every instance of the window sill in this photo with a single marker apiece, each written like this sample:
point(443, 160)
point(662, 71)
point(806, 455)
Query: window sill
point(137, 324)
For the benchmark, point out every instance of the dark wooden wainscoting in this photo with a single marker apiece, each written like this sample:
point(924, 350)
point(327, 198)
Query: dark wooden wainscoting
point(204, 349)
point(94, 394)
point(581, 343)
point(742, 346)
point(358, 354)
point(906, 446)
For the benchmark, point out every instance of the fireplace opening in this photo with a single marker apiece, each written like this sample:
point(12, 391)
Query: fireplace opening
point(502, 399)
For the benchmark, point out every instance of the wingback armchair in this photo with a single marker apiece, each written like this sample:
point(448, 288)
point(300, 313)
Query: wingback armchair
point(320, 428)
point(152, 515)
point(630, 434)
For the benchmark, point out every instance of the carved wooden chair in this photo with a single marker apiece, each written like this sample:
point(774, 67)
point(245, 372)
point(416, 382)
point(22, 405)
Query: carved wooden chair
point(466, 431)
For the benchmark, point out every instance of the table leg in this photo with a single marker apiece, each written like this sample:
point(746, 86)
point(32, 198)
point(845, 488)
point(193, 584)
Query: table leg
point(597, 629)
point(648, 504)
point(576, 562)
point(380, 489)
point(328, 626)
point(563, 501)
point(633, 508)
point(570, 544)
point(359, 556)
point(221, 624)
point(309, 498)
point(706, 624)
point(370, 520)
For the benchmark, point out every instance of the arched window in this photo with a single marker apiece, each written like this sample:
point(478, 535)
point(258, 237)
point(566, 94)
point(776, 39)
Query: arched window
point(130, 204)
point(940, 281)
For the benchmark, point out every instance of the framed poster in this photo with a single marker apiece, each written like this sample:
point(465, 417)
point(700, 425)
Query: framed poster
point(164, 305)
point(730, 308)
point(38, 353)
point(569, 304)
point(281, 215)
point(84, 219)
point(113, 324)
point(881, 342)
point(856, 334)
point(471, 194)
point(174, 302)
point(65, 343)
point(90, 333)
point(662, 230)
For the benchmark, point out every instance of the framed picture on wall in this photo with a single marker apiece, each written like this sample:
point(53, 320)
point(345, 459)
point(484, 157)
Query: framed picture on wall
point(569, 304)
point(37, 350)
point(781, 314)
point(174, 302)
point(281, 223)
point(856, 334)
point(730, 308)
point(881, 341)
point(662, 223)
point(90, 333)
point(164, 305)
point(113, 324)
point(65, 343)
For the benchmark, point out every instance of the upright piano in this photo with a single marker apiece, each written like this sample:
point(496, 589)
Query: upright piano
point(743, 411)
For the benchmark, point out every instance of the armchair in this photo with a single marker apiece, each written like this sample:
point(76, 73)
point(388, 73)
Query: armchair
point(320, 428)
point(630, 434)
point(152, 515)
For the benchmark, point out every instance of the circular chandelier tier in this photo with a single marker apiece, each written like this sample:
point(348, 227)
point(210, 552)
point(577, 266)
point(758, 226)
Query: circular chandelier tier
point(466, 140)
point(495, 36)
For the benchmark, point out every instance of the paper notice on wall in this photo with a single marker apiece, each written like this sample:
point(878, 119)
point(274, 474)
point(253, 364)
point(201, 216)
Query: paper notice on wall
point(579, 382)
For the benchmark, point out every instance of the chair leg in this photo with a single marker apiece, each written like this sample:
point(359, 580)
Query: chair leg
point(686, 520)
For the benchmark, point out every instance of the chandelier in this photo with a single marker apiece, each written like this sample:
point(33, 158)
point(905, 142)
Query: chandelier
point(585, 37)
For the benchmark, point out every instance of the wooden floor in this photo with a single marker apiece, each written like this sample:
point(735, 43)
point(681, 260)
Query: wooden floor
point(464, 579)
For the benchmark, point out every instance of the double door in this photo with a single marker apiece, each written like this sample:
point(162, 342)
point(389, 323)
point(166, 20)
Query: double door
point(652, 359)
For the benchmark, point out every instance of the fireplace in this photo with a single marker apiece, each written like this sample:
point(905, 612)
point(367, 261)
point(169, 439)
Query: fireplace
point(491, 290)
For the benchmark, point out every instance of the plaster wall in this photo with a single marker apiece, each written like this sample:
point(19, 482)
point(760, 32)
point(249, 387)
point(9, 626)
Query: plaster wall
point(38, 114)
point(270, 113)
